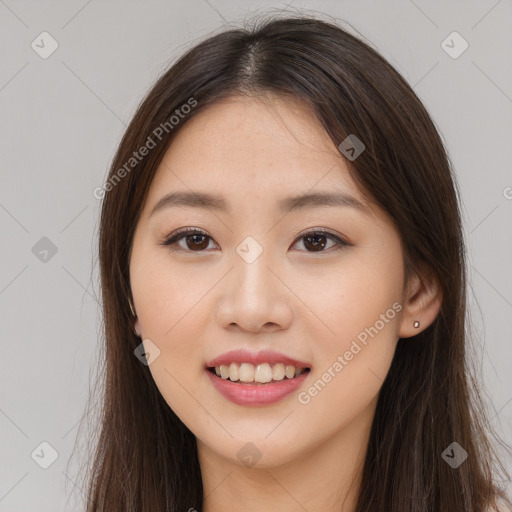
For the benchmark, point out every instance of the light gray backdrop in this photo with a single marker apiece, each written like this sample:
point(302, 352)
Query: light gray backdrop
point(62, 116)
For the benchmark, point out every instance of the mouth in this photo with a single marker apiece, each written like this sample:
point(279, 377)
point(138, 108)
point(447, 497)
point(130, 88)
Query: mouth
point(262, 375)
point(259, 384)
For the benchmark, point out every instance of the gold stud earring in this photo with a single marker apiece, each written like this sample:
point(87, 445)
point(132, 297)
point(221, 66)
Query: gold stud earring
point(416, 324)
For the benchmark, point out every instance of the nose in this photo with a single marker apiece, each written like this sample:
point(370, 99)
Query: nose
point(254, 298)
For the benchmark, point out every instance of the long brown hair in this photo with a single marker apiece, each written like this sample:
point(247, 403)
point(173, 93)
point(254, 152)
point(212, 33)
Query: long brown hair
point(146, 458)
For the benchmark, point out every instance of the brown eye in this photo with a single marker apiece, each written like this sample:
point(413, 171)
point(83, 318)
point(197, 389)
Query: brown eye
point(316, 241)
point(195, 240)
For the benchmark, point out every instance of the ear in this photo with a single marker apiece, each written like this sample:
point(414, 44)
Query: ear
point(422, 302)
point(137, 328)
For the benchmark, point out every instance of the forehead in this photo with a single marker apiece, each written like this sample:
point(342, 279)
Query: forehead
point(268, 148)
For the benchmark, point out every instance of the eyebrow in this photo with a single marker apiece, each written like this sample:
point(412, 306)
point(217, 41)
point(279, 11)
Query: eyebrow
point(205, 200)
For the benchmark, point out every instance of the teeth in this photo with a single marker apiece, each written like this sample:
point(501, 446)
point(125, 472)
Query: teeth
point(278, 371)
point(290, 371)
point(233, 372)
point(224, 371)
point(246, 372)
point(262, 373)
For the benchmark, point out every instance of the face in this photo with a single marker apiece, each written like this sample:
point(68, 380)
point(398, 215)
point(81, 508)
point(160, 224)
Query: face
point(319, 283)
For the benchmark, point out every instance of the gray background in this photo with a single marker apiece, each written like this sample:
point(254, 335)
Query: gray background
point(62, 118)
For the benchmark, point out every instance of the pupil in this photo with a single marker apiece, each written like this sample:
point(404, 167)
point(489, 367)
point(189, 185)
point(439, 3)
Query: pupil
point(197, 246)
point(316, 244)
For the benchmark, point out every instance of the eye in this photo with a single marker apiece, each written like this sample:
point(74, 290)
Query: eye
point(197, 240)
point(317, 240)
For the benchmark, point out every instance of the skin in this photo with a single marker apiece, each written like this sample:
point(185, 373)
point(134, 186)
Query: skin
point(308, 304)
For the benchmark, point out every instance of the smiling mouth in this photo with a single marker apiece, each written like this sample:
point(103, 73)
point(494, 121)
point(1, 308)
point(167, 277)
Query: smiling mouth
point(298, 372)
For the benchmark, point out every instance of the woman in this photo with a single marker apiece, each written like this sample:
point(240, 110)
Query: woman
point(284, 291)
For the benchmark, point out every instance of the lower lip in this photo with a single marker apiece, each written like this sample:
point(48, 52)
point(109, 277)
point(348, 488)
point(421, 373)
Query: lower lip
point(256, 395)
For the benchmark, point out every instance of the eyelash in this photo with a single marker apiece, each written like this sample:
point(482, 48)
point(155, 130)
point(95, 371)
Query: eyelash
point(182, 233)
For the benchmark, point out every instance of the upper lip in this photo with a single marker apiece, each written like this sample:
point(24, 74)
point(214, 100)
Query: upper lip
point(264, 356)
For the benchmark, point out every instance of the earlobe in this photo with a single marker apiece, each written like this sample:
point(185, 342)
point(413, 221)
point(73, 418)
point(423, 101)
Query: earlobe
point(137, 328)
point(422, 305)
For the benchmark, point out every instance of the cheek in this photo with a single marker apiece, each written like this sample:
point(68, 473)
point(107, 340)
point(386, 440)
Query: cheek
point(361, 309)
point(169, 309)
point(172, 317)
point(351, 366)
point(165, 293)
point(351, 299)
